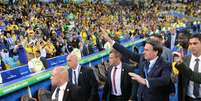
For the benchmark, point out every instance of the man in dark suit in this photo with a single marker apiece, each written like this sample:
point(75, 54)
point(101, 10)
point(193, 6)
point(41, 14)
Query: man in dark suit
point(118, 84)
point(190, 72)
point(84, 78)
point(62, 89)
point(171, 38)
point(154, 78)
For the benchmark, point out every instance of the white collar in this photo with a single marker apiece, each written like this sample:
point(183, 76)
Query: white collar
point(63, 87)
point(194, 57)
point(119, 65)
point(77, 68)
point(153, 61)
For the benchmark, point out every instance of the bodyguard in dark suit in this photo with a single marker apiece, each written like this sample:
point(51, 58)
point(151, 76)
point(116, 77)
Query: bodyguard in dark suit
point(62, 89)
point(154, 78)
point(118, 85)
point(83, 78)
point(190, 72)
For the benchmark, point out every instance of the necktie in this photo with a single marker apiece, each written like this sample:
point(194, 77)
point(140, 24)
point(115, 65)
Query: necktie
point(146, 69)
point(196, 86)
point(57, 94)
point(113, 79)
point(75, 81)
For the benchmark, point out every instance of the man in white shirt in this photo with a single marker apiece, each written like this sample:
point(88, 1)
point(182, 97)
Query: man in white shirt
point(118, 86)
point(84, 78)
point(63, 90)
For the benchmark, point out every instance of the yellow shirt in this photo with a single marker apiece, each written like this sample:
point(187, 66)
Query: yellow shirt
point(174, 69)
point(30, 49)
point(9, 28)
point(50, 48)
point(84, 36)
point(93, 39)
point(14, 27)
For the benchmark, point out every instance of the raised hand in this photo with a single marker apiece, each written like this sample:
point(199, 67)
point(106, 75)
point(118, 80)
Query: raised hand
point(105, 35)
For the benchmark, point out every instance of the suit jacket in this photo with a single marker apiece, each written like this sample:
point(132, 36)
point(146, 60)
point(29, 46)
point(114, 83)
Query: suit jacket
point(126, 84)
point(87, 83)
point(158, 78)
point(169, 39)
point(186, 74)
point(71, 93)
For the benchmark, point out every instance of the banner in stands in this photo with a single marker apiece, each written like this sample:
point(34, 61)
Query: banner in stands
point(59, 60)
point(21, 71)
point(14, 73)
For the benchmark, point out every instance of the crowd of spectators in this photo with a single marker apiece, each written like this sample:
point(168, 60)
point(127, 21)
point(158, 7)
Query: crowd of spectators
point(57, 29)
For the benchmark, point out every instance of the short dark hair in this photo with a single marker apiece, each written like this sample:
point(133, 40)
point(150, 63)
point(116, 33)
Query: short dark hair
point(156, 46)
point(158, 36)
point(198, 36)
point(117, 54)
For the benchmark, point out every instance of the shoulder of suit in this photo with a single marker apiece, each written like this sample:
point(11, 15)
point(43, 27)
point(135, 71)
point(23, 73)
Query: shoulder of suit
point(162, 61)
point(127, 66)
point(187, 58)
point(86, 68)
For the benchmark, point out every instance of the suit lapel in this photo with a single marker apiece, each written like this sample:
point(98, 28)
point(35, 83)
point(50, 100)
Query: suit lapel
point(70, 75)
point(142, 65)
point(53, 89)
point(155, 66)
point(122, 77)
point(109, 75)
point(187, 61)
point(80, 76)
point(67, 92)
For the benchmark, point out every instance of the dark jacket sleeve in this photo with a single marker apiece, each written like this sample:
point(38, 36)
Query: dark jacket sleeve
point(125, 52)
point(193, 76)
point(134, 86)
point(94, 86)
point(106, 89)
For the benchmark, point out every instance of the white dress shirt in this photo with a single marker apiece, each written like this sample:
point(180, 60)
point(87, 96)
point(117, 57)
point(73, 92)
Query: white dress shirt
point(191, 83)
point(173, 40)
point(61, 92)
point(43, 52)
point(117, 80)
point(77, 70)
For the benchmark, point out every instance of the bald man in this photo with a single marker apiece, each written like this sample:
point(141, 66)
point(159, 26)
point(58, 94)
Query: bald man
point(63, 90)
point(84, 78)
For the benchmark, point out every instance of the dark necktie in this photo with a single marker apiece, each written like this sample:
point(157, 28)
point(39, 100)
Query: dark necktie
point(75, 81)
point(113, 79)
point(146, 68)
point(196, 86)
point(57, 94)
